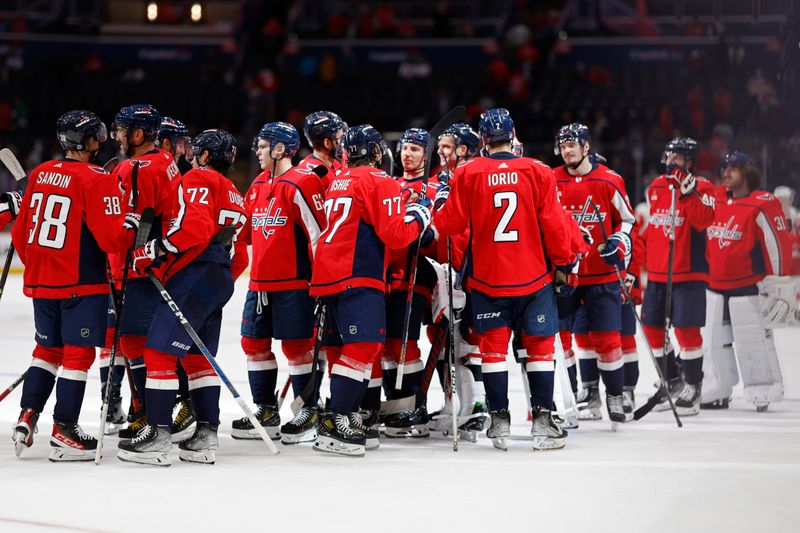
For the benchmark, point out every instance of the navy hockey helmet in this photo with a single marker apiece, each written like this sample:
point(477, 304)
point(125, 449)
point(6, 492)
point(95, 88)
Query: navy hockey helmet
point(142, 116)
point(321, 125)
point(464, 136)
point(414, 136)
point(276, 133)
point(685, 146)
point(171, 129)
point(75, 127)
point(737, 159)
point(362, 141)
point(220, 144)
point(576, 132)
point(496, 125)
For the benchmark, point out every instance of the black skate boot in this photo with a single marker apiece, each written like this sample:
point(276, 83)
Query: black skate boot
point(616, 411)
point(115, 418)
point(472, 424)
point(301, 428)
point(68, 442)
point(199, 448)
point(589, 403)
point(138, 420)
point(408, 424)
point(688, 402)
point(150, 447)
point(367, 423)
point(22, 433)
point(500, 429)
point(182, 425)
point(547, 433)
point(723, 403)
point(335, 435)
point(270, 421)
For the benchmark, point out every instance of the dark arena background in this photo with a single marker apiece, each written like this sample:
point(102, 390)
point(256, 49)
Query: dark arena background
point(638, 73)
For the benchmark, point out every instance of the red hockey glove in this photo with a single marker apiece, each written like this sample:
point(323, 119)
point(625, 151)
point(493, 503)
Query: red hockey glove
point(144, 256)
point(565, 281)
point(632, 285)
point(682, 178)
point(14, 200)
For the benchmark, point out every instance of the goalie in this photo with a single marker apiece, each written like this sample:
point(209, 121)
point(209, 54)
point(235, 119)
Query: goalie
point(747, 241)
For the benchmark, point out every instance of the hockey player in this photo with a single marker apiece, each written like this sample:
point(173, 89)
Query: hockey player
point(287, 216)
point(694, 211)
point(413, 423)
point(509, 205)
point(323, 130)
point(135, 128)
point(366, 218)
point(748, 240)
point(9, 207)
point(196, 269)
point(786, 196)
point(70, 217)
point(595, 195)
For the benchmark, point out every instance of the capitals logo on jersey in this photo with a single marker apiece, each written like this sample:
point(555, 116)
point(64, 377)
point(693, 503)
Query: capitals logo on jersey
point(586, 216)
point(663, 220)
point(725, 234)
point(267, 222)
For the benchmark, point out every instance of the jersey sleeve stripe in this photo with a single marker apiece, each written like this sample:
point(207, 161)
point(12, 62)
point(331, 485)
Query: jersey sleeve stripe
point(771, 243)
point(628, 218)
point(309, 220)
point(176, 224)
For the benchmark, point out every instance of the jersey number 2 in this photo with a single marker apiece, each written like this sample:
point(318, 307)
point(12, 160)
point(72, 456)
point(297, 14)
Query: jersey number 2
point(50, 223)
point(509, 200)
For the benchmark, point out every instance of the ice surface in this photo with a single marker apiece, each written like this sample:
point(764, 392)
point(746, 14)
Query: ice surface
point(724, 471)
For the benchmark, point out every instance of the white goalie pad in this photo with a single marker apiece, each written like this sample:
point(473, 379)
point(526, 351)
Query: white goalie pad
point(755, 350)
point(719, 364)
point(562, 391)
point(777, 301)
point(440, 300)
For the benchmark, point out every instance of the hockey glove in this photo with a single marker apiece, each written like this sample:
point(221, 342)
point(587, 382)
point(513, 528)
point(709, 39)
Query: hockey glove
point(684, 180)
point(144, 256)
point(587, 235)
point(419, 212)
point(14, 200)
point(441, 197)
point(565, 280)
point(444, 177)
point(614, 250)
point(634, 290)
point(132, 222)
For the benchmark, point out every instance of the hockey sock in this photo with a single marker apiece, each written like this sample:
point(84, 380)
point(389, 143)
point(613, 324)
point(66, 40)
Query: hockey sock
point(133, 346)
point(608, 346)
point(630, 358)
point(587, 360)
point(541, 374)
point(691, 343)
point(495, 380)
point(348, 374)
point(183, 383)
point(41, 377)
point(204, 388)
point(69, 395)
point(262, 369)
point(161, 387)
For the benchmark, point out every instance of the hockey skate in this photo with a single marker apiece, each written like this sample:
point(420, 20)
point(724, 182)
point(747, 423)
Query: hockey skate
point(470, 425)
point(676, 386)
point(589, 403)
point(616, 411)
point(335, 435)
point(628, 404)
point(270, 421)
point(723, 403)
point(23, 430)
point(115, 419)
point(301, 428)
point(500, 429)
point(182, 425)
point(138, 421)
point(367, 423)
point(68, 442)
point(569, 422)
point(408, 424)
point(547, 434)
point(150, 447)
point(199, 448)
point(688, 402)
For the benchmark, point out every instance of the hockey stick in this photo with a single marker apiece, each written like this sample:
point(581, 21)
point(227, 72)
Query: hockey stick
point(13, 385)
point(456, 114)
point(451, 343)
point(627, 294)
point(213, 362)
point(117, 299)
point(284, 391)
point(145, 222)
point(309, 391)
point(12, 164)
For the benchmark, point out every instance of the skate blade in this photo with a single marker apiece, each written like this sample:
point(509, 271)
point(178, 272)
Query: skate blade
point(501, 443)
point(204, 457)
point(546, 443)
point(328, 445)
point(181, 436)
point(19, 443)
point(145, 458)
point(413, 432)
point(467, 435)
point(63, 455)
point(307, 436)
point(273, 432)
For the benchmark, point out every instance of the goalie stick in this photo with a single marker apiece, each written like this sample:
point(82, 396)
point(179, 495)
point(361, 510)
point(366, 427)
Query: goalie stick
point(457, 114)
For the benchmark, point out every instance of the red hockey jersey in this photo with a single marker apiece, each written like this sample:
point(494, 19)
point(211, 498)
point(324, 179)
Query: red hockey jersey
point(747, 240)
point(510, 206)
point(156, 189)
point(287, 217)
point(5, 216)
point(366, 218)
point(70, 217)
point(310, 162)
point(207, 203)
point(605, 189)
point(693, 214)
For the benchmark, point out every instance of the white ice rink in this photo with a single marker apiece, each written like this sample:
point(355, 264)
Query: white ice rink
point(724, 472)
